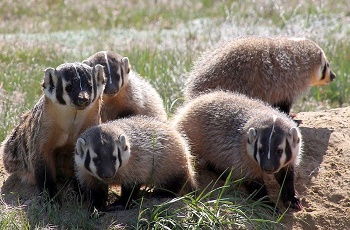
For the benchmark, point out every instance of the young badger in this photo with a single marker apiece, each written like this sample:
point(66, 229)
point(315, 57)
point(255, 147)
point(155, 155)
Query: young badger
point(231, 131)
point(126, 93)
point(132, 152)
point(275, 70)
point(70, 104)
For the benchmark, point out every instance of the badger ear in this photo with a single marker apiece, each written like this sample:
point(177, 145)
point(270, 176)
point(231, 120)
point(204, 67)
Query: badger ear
point(49, 83)
point(293, 137)
point(80, 146)
point(87, 62)
point(251, 136)
point(99, 73)
point(126, 64)
point(123, 142)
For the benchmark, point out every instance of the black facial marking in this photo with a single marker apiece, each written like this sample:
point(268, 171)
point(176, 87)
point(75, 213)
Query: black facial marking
point(52, 86)
point(94, 85)
point(59, 92)
point(119, 158)
point(288, 152)
point(122, 76)
point(87, 160)
point(256, 149)
point(324, 72)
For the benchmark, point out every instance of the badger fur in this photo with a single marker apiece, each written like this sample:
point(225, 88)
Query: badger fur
point(132, 152)
point(126, 93)
point(70, 104)
point(275, 70)
point(230, 131)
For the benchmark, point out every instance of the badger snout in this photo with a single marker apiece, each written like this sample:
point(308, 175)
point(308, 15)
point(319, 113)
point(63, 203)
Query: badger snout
point(107, 175)
point(111, 90)
point(268, 168)
point(83, 99)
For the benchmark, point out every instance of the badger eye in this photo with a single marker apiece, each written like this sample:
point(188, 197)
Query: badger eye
point(90, 84)
point(96, 161)
point(279, 152)
point(69, 88)
point(114, 159)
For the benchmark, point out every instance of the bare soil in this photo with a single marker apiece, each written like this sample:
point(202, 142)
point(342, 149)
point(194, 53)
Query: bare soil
point(322, 178)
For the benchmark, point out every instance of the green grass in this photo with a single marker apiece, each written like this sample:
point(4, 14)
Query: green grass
point(162, 38)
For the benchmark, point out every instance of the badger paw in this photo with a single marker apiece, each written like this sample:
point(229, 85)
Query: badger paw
point(295, 203)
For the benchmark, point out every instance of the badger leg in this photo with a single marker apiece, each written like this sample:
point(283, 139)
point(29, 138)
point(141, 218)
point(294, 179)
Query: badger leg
point(98, 197)
point(258, 188)
point(173, 186)
point(128, 194)
point(45, 178)
point(285, 178)
point(283, 106)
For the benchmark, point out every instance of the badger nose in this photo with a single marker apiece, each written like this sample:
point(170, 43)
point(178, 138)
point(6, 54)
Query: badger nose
point(107, 175)
point(83, 98)
point(111, 90)
point(332, 75)
point(267, 168)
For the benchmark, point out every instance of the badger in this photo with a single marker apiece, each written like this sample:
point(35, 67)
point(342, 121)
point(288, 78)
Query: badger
point(126, 93)
point(70, 104)
point(132, 152)
point(229, 131)
point(276, 70)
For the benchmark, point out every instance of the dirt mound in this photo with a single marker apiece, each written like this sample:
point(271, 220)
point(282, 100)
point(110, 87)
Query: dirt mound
point(322, 178)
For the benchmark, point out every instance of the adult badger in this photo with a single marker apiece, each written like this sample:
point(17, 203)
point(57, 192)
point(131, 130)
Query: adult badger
point(275, 70)
point(48, 132)
point(230, 131)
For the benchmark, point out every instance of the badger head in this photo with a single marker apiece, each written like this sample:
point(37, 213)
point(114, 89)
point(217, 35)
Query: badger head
point(274, 147)
point(100, 154)
point(116, 69)
point(74, 84)
point(324, 75)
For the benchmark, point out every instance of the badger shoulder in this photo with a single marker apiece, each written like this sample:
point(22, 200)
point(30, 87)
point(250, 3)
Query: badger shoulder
point(141, 98)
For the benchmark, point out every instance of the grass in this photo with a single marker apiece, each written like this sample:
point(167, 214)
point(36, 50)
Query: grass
point(162, 38)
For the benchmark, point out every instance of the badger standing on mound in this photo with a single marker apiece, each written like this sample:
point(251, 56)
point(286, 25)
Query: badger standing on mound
point(70, 104)
point(232, 132)
point(132, 152)
point(275, 70)
point(126, 93)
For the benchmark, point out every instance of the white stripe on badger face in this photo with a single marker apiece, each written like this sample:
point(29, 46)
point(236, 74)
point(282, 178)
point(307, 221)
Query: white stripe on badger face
point(270, 138)
point(76, 71)
point(108, 68)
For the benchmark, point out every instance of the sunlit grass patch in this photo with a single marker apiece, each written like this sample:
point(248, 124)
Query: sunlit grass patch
point(219, 208)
